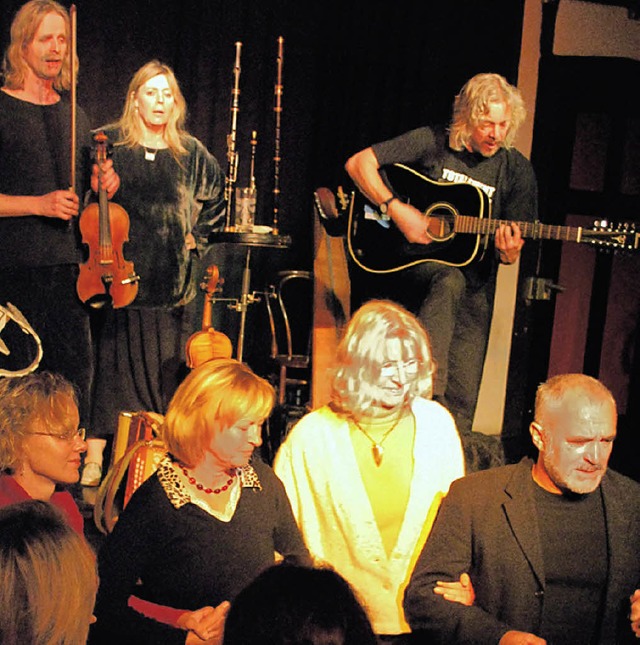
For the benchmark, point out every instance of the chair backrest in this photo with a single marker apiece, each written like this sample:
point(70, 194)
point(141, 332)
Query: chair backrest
point(290, 309)
point(137, 451)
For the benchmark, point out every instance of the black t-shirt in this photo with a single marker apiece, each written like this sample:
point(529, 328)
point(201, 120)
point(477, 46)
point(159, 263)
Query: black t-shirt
point(35, 159)
point(507, 177)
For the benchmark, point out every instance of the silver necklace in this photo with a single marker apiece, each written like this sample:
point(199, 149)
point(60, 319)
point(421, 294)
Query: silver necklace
point(150, 153)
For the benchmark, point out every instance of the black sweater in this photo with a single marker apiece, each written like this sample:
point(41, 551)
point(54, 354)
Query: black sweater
point(187, 559)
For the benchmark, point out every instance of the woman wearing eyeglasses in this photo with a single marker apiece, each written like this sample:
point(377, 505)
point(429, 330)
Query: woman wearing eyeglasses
point(40, 448)
point(365, 474)
point(40, 442)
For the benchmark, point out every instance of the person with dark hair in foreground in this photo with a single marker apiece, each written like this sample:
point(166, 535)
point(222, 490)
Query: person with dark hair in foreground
point(48, 577)
point(551, 546)
point(289, 604)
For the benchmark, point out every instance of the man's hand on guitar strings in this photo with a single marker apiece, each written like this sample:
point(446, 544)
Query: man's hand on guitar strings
point(410, 221)
point(509, 242)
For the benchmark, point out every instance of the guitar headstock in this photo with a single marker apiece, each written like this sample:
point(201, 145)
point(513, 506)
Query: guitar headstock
point(606, 235)
point(332, 209)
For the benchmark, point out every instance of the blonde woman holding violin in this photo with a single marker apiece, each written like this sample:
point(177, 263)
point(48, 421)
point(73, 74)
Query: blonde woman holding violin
point(172, 190)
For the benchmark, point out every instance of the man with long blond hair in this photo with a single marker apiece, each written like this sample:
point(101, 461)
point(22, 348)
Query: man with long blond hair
point(365, 474)
point(39, 240)
point(454, 301)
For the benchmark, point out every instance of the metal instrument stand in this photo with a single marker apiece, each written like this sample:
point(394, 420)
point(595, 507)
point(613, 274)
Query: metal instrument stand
point(247, 297)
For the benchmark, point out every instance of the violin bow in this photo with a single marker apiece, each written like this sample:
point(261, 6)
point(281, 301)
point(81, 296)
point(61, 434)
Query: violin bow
point(72, 70)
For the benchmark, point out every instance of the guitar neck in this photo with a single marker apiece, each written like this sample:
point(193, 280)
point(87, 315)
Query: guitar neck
point(535, 230)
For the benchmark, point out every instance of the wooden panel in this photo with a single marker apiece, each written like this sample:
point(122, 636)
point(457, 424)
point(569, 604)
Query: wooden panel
point(621, 330)
point(331, 308)
point(571, 318)
point(570, 326)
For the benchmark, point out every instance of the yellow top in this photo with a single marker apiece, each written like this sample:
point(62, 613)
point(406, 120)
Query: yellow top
point(388, 485)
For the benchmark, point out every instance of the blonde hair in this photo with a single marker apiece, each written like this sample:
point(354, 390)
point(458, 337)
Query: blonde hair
point(213, 397)
point(48, 578)
point(361, 354)
point(472, 104)
point(130, 122)
point(41, 396)
point(23, 30)
point(550, 396)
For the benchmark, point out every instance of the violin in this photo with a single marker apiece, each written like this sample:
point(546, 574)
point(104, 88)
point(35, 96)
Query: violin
point(106, 277)
point(208, 343)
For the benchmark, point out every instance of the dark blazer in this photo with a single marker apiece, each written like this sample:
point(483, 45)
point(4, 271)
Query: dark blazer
point(487, 526)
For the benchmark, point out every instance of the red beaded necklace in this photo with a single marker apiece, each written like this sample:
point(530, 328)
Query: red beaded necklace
point(216, 491)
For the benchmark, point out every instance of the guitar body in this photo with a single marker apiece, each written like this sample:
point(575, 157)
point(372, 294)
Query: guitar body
point(457, 217)
point(378, 246)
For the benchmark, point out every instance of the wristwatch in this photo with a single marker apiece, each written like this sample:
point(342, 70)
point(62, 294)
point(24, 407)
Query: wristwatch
point(384, 207)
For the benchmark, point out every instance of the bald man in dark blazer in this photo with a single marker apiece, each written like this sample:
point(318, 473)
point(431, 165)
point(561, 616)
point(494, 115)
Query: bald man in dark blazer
point(552, 546)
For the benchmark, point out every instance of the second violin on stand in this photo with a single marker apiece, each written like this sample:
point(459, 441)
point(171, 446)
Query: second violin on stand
point(208, 343)
point(106, 278)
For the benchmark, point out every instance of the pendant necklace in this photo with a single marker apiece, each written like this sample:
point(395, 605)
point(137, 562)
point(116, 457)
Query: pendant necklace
point(376, 448)
point(150, 153)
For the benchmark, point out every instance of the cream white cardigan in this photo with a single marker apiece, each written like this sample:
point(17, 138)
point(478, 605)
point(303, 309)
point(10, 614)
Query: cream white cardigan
point(318, 467)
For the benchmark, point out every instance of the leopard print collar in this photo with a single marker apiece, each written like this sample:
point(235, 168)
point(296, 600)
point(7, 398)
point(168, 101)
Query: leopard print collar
point(177, 492)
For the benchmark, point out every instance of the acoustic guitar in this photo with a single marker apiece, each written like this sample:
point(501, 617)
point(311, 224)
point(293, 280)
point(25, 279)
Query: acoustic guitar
point(458, 217)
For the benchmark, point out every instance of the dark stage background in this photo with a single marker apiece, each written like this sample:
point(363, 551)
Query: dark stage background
point(354, 72)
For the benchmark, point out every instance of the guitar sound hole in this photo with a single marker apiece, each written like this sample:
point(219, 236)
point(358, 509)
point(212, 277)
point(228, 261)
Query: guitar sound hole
point(441, 221)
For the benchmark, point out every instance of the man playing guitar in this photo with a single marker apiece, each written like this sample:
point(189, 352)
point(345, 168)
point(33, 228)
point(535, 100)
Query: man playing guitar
point(454, 303)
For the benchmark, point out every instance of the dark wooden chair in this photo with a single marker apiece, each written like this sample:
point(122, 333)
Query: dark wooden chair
point(290, 308)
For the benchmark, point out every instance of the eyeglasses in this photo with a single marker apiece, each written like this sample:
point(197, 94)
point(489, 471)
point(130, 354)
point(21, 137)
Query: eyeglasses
point(80, 433)
point(410, 367)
